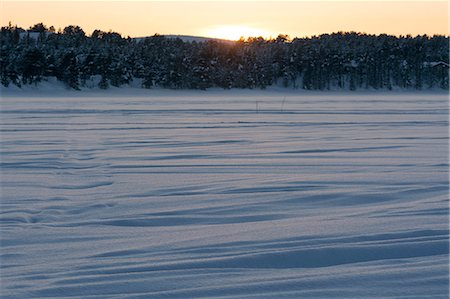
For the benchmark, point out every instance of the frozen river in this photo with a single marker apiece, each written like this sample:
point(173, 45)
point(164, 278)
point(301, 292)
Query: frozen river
point(224, 194)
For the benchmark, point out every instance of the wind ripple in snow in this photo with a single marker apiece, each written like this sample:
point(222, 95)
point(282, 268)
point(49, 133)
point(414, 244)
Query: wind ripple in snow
point(199, 195)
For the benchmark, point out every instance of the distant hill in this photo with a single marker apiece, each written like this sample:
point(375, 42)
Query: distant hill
point(184, 38)
point(190, 38)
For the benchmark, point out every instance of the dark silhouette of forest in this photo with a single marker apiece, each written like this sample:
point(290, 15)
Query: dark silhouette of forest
point(343, 60)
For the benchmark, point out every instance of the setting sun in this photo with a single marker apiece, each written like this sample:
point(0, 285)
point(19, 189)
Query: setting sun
point(235, 32)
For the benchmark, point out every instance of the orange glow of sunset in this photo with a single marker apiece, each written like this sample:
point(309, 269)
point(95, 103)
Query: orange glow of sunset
point(235, 32)
point(233, 19)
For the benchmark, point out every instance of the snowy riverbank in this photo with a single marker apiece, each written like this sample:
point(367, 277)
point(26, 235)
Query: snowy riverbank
point(52, 87)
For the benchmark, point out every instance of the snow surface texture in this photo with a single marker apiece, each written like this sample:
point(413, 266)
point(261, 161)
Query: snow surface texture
point(224, 194)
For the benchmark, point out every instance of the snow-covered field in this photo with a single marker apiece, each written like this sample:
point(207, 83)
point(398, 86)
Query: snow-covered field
point(224, 194)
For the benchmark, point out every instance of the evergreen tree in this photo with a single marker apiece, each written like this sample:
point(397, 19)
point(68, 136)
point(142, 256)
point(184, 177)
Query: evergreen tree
point(340, 60)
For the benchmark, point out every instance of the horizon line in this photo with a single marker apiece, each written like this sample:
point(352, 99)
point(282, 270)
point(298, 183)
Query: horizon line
point(245, 38)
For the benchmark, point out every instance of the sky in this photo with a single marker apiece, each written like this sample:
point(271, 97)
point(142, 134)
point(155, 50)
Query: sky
point(232, 19)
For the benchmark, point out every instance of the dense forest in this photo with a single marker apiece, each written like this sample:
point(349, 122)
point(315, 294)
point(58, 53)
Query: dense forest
point(343, 60)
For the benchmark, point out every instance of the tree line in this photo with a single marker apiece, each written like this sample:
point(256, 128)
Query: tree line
point(343, 60)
